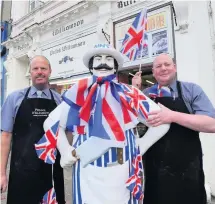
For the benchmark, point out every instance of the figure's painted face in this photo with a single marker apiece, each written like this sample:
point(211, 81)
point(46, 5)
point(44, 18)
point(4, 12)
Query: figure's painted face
point(103, 65)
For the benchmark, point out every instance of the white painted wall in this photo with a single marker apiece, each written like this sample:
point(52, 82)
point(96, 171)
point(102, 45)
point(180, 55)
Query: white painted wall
point(17, 79)
point(195, 63)
point(19, 9)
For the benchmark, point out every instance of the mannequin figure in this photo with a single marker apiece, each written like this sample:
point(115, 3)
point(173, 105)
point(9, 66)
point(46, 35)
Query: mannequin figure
point(101, 114)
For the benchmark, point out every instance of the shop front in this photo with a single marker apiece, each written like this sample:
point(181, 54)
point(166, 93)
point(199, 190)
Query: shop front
point(66, 60)
point(65, 45)
point(158, 38)
point(64, 30)
point(185, 31)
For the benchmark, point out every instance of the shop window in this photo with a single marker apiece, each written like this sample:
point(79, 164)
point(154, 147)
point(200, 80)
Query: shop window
point(147, 80)
point(123, 78)
point(60, 88)
point(147, 77)
point(33, 4)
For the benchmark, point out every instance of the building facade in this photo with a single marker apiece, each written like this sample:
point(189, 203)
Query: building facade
point(5, 30)
point(63, 30)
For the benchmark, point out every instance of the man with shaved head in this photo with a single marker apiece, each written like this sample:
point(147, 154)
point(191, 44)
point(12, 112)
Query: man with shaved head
point(23, 115)
point(173, 166)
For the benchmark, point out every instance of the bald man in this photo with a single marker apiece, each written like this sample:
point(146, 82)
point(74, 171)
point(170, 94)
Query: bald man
point(23, 114)
point(173, 165)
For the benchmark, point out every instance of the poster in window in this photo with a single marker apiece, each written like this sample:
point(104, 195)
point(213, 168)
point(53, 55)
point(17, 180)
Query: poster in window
point(144, 50)
point(159, 43)
point(158, 36)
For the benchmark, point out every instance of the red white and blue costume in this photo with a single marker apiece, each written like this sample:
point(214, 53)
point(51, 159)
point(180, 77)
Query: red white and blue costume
point(101, 113)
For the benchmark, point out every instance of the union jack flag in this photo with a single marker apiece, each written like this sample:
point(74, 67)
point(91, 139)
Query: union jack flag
point(159, 91)
point(96, 101)
point(134, 38)
point(94, 105)
point(50, 197)
point(134, 183)
point(137, 101)
point(46, 147)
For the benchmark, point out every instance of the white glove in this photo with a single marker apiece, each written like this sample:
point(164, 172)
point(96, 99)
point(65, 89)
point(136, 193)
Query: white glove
point(67, 159)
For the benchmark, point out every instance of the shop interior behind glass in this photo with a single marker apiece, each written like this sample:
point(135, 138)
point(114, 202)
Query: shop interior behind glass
point(147, 77)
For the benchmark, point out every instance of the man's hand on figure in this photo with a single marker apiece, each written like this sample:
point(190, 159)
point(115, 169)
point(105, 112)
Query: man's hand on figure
point(3, 183)
point(159, 117)
point(137, 80)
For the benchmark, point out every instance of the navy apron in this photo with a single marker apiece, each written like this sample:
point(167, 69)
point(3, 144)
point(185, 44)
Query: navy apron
point(30, 178)
point(173, 165)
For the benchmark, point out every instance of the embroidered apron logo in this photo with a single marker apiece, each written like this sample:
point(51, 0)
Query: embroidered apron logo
point(40, 112)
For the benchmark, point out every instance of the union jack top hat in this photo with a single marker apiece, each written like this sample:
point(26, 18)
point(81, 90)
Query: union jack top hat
point(103, 49)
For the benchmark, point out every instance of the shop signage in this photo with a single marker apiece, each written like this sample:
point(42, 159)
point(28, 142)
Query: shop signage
point(66, 47)
point(159, 36)
point(67, 27)
point(122, 4)
point(66, 58)
point(22, 47)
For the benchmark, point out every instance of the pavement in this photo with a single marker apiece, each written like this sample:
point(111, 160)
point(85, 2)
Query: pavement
point(68, 188)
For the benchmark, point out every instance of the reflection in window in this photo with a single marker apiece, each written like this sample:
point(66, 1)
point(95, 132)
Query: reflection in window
point(34, 4)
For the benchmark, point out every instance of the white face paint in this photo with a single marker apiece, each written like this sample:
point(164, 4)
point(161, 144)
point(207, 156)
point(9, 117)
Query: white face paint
point(103, 59)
